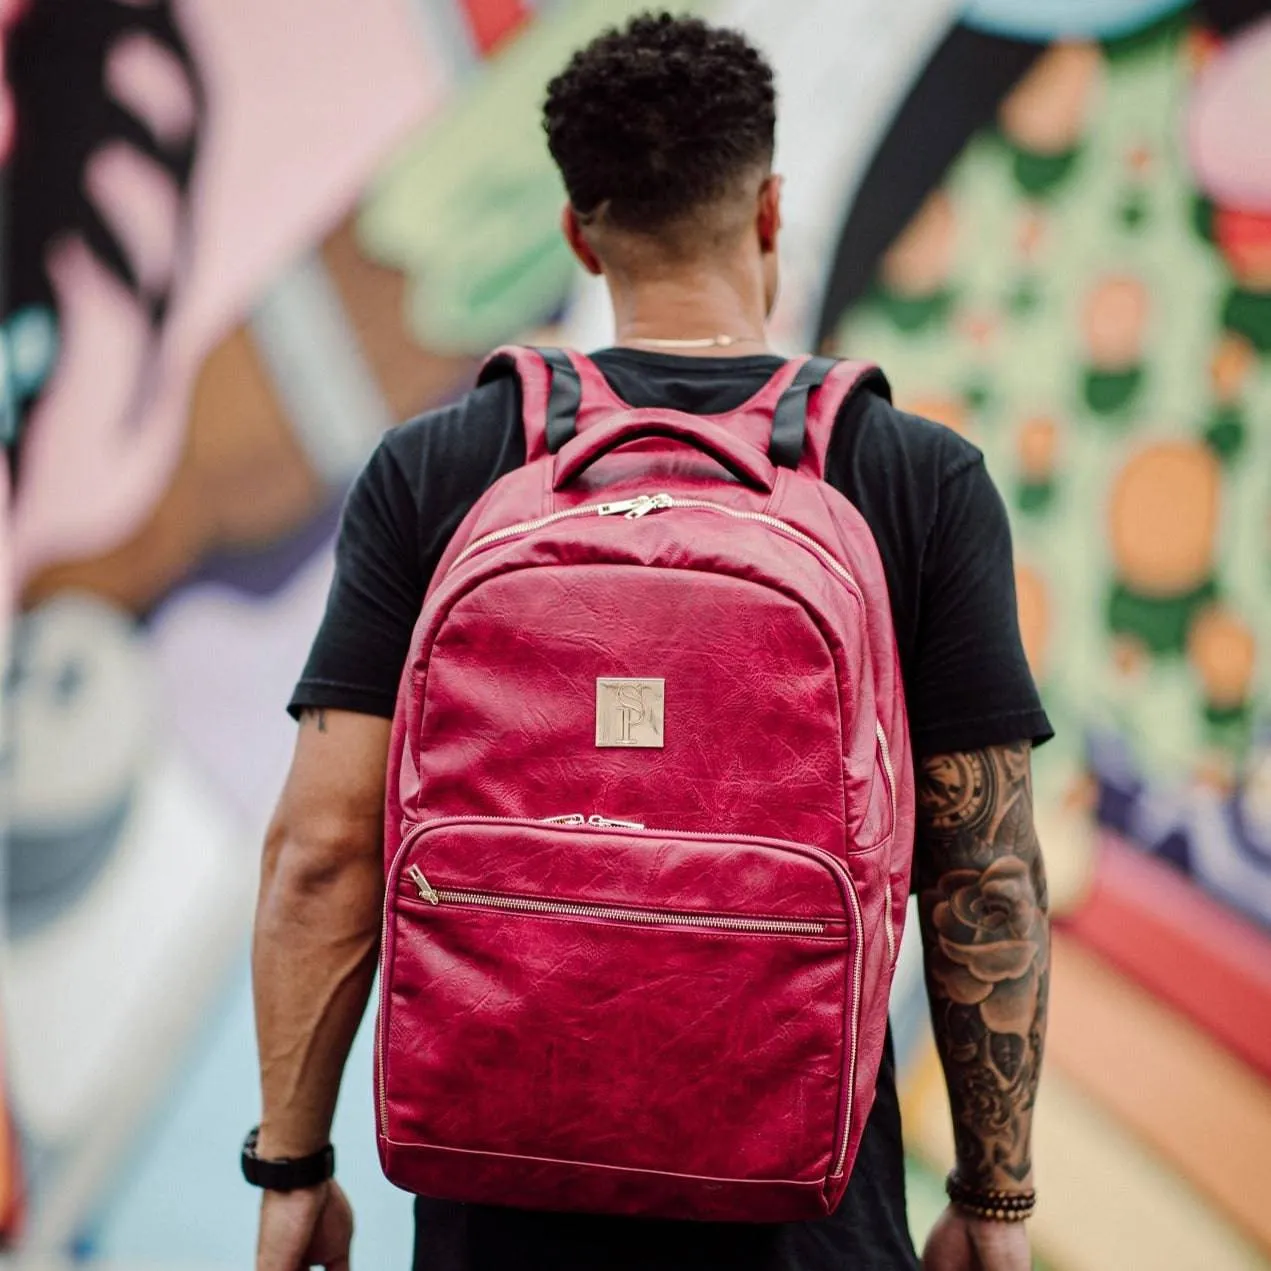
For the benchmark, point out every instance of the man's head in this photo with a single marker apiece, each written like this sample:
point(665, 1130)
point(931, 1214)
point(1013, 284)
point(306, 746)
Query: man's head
point(663, 133)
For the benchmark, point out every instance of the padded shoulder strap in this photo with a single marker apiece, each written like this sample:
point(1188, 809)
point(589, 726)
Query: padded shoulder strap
point(789, 419)
point(551, 393)
point(804, 419)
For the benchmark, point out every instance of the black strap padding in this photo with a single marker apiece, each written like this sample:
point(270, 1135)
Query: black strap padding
point(790, 419)
point(564, 399)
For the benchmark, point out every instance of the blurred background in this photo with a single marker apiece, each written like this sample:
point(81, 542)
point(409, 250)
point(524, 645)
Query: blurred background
point(244, 237)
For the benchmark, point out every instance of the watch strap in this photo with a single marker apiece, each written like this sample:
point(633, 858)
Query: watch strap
point(288, 1174)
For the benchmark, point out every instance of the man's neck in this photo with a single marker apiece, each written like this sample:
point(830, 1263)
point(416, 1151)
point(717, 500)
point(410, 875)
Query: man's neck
point(694, 314)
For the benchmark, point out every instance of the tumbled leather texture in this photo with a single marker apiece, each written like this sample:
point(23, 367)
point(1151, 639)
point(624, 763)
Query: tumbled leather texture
point(601, 1018)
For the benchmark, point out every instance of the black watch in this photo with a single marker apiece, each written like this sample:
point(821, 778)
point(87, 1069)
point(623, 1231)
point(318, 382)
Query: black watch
point(287, 1175)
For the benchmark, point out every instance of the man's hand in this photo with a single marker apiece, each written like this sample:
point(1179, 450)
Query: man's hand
point(311, 1227)
point(959, 1242)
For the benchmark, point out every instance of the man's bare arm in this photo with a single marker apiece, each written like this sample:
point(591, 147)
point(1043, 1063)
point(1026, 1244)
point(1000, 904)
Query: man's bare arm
point(318, 924)
point(986, 939)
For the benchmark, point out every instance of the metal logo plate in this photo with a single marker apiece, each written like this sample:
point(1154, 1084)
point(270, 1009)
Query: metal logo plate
point(630, 712)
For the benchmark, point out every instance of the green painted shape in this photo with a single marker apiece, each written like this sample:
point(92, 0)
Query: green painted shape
point(978, 395)
point(1202, 216)
point(1040, 175)
point(469, 209)
point(1134, 211)
point(1161, 622)
point(1224, 717)
point(1108, 393)
point(1034, 497)
point(1248, 313)
point(1229, 728)
point(1152, 40)
point(912, 314)
point(1227, 432)
point(1024, 298)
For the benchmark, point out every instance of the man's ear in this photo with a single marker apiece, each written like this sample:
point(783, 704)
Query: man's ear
point(768, 218)
point(572, 228)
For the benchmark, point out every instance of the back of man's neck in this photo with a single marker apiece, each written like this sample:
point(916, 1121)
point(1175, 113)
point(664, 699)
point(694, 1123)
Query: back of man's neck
point(699, 315)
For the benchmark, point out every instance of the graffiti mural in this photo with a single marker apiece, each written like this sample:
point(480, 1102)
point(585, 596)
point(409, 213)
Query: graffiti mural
point(248, 236)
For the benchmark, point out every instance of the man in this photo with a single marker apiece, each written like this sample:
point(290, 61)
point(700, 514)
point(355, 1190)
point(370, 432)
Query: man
point(663, 133)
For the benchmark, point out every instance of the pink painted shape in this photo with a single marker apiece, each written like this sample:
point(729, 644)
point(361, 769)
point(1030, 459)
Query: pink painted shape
point(77, 483)
point(10, 12)
point(1229, 121)
point(140, 202)
point(1183, 946)
point(307, 98)
point(148, 80)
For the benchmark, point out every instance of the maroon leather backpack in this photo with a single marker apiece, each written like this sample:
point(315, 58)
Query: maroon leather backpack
point(649, 821)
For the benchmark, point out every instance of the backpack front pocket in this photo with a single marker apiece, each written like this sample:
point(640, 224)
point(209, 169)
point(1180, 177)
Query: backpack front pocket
point(619, 998)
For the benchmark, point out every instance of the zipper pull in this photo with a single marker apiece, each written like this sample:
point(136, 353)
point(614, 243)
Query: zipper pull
point(650, 503)
point(608, 823)
point(624, 505)
point(572, 818)
point(634, 509)
point(422, 885)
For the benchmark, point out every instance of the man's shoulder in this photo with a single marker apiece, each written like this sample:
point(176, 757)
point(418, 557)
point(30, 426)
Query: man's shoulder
point(460, 431)
point(899, 441)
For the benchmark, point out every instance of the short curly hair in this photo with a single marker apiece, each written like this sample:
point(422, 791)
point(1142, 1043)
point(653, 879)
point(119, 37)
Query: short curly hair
point(659, 118)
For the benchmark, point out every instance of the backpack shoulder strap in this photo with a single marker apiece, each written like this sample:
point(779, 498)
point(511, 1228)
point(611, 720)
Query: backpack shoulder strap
point(803, 421)
point(551, 393)
point(561, 391)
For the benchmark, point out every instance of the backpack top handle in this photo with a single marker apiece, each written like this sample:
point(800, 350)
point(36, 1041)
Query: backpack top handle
point(749, 465)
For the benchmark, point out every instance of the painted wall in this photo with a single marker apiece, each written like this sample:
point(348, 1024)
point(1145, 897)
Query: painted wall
point(246, 236)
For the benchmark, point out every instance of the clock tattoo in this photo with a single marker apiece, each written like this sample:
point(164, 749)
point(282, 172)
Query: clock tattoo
point(959, 791)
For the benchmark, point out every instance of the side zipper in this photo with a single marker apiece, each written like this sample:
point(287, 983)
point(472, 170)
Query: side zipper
point(884, 753)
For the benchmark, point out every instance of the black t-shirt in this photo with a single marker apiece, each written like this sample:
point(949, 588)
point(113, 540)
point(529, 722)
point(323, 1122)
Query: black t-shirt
point(942, 533)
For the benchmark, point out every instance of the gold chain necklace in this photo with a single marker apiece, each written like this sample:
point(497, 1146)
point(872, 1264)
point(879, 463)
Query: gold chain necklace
point(706, 342)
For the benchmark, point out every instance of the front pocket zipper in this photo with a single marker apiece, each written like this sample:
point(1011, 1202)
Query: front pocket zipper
point(613, 913)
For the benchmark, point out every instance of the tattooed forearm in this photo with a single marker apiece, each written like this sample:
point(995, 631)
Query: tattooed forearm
point(986, 938)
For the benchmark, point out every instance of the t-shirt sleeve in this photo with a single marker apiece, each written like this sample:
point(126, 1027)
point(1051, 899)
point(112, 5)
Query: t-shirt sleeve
point(374, 601)
point(970, 685)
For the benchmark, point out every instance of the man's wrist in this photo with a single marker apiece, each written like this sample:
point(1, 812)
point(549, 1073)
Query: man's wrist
point(276, 1140)
point(285, 1173)
point(991, 1204)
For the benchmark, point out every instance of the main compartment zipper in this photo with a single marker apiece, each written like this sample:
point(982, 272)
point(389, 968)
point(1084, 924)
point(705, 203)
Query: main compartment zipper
point(641, 505)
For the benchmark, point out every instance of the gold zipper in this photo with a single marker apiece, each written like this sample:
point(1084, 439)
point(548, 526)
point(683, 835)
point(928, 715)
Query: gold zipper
point(835, 866)
point(641, 505)
point(884, 752)
point(615, 913)
point(660, 501)
point(524, 527)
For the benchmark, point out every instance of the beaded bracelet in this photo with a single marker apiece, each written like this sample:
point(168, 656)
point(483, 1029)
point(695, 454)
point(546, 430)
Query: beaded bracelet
point(994, 1206)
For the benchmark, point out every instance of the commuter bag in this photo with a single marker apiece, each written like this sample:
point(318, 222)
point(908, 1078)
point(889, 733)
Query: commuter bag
point(649, 817)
